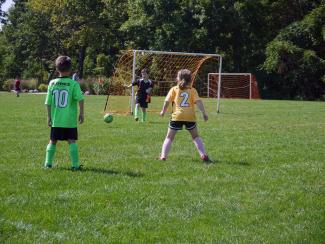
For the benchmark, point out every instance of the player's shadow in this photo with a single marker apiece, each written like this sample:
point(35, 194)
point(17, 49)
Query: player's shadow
point(219, 161)
point(111, 172)
point(107, 171)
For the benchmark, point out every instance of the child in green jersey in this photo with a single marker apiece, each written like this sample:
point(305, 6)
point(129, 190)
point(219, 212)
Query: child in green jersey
point(62, 100)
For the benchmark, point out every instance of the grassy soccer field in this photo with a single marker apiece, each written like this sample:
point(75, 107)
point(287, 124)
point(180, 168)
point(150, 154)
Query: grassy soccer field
point(266, 183)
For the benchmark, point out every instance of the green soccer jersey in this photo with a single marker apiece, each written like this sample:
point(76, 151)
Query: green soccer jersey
point(63, 95)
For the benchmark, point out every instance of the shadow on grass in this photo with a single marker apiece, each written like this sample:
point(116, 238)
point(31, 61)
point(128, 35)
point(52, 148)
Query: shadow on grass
point(218, 161)
point(240, 162)
point(106, 171)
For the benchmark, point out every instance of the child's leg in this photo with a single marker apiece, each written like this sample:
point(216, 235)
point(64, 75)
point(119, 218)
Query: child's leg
point(144, 114)
point(198, 142)
point(50, 151)
point(136, 111)
point(167, 143)
point(73, 149)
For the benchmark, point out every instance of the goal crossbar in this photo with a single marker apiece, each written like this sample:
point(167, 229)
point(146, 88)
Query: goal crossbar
point(179, 53)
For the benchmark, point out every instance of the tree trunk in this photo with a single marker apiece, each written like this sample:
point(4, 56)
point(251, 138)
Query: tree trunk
point(81, 59)
point(51, 75)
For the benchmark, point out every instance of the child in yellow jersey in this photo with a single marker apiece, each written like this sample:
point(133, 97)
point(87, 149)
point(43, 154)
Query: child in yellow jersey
point(184, 97)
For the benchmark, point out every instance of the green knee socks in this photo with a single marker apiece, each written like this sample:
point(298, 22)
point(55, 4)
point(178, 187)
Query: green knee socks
point(144, 116)
point(136, 113)
point(50, 151)
point(73, 149)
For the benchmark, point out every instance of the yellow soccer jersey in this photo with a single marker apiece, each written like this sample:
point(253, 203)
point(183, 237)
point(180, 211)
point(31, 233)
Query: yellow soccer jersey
point(183, 103)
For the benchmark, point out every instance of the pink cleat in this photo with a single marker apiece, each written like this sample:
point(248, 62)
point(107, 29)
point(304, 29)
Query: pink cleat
point(205, 158)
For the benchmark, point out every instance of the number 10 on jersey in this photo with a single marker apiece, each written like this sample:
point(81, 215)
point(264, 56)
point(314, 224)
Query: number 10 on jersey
point(61, 98)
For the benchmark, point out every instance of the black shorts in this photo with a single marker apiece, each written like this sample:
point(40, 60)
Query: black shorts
point(63, 134)
point(142, 101)
point(178, 125)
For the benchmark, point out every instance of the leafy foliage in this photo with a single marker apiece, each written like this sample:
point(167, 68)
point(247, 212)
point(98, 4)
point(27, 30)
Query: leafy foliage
point(247, 33)
point(297, 56)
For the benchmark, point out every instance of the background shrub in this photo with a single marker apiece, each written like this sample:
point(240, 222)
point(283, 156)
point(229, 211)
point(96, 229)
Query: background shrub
point(42, 87)
point(8, 85)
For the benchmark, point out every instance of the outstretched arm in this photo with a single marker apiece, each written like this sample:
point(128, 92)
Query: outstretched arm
point(164, 109)
point(200, 105)
point(130, 85)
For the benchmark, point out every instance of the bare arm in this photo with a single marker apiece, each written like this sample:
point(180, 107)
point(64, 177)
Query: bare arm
point(164, 109)
point(81, 111)
point(200, 105)
point(128, 86)
point(49, 119)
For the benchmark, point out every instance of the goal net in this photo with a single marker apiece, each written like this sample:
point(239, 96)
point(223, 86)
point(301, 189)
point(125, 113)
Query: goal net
point(233, 85)
point(162, 68)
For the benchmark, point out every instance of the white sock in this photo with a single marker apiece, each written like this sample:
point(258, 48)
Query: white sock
point(199, 146)
point(166, 147)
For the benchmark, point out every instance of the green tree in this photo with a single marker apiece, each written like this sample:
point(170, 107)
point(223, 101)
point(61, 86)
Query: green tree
point(297, 57)
point(27, 37)
point(78, 25)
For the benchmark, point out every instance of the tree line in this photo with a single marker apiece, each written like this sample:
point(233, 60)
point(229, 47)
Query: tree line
point(282, 42)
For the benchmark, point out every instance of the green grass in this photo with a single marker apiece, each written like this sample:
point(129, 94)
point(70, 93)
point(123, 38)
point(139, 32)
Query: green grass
point(265, 186)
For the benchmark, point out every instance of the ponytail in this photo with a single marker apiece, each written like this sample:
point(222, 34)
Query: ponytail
point(182, 84)
point(184, 78)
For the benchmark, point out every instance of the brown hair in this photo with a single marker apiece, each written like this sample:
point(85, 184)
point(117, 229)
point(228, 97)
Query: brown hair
point(145, 70)
point(63, 63)
point(184, 78)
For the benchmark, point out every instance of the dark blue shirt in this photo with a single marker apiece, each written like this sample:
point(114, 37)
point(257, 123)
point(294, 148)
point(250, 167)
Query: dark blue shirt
point(143, 85)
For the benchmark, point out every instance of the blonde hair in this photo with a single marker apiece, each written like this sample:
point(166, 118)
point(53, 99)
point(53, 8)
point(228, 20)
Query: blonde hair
point(184, 78)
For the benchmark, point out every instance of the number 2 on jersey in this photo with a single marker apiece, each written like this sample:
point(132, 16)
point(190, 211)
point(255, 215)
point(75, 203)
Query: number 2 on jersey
point(61, 98)
point(184, 102)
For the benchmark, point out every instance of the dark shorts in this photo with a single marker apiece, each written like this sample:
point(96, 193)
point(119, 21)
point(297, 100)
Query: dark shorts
point(63, 134)
point(178, 125)
point(142, 101)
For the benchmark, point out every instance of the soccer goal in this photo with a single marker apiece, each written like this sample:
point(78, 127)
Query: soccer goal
point(232, 85)
point(162, 67)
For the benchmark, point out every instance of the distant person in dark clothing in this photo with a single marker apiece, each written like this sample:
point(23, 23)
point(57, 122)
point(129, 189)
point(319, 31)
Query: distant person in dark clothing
point(75, 76)
point(145, 86)
point(17, 86)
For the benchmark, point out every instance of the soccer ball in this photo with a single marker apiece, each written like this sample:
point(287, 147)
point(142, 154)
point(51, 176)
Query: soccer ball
point(108, 118)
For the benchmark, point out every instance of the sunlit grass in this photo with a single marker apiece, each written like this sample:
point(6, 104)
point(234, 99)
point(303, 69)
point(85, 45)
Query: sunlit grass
point(266, 183)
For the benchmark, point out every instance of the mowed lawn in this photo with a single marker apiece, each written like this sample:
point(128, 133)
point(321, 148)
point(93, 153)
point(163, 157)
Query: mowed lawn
point(266, 184)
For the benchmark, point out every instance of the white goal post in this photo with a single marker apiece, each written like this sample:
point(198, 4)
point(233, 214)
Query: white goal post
point(163, 67)
point(231, 85)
